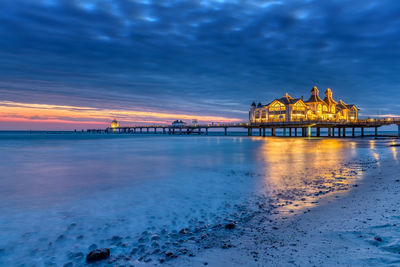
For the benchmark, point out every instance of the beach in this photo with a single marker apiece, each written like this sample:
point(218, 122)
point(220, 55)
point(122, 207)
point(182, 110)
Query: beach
point(195, 201)
point(360, 228)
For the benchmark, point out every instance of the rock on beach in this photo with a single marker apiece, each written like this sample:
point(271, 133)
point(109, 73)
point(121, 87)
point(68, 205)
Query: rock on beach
point(98, 254)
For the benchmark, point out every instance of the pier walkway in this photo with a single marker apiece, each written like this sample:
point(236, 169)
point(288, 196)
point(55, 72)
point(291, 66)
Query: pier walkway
point(300, 128)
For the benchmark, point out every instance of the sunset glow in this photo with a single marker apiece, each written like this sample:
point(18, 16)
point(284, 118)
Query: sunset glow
point(86, 117)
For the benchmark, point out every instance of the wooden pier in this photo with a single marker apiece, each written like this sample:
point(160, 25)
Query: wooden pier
point(291, 129)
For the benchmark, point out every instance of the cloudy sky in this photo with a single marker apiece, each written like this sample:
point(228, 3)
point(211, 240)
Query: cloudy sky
point(68, 64)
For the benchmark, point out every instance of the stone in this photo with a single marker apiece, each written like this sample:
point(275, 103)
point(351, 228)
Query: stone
point(98, 254)
point(155, 237)
point(230, 226)
point(170, 254)
point(378, 238)
point(183, 231)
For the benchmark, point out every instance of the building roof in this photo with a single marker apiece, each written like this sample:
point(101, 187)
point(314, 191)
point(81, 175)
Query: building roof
point(286, 100)
point(314, 96)
point(343, 105)
point(328, 97)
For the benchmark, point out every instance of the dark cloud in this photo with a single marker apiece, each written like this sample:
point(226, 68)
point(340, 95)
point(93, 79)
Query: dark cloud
point(206, 57)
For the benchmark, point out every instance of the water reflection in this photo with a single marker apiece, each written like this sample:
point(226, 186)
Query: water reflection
point(300, 170)
point(394, 150)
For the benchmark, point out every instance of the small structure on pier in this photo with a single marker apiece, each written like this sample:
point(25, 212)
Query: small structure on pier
point(114, 124)
point(289, 109)
point(178, 123)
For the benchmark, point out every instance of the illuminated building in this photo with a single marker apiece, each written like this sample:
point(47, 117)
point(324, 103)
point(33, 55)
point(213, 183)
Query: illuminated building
point(114, 124)
point(289, 109)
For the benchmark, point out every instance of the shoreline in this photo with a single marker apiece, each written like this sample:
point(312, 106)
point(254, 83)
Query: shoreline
point(357, 229)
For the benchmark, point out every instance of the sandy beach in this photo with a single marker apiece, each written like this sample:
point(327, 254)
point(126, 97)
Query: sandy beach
point(357, 228)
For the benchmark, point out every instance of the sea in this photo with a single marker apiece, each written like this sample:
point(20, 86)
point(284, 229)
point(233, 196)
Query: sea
point(63, 194)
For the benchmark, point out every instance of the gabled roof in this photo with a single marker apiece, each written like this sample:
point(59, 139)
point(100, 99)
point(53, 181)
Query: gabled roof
point(314, 96)
point(328, 97)
point(286, 100)
point(349, 106)
point(343, 105)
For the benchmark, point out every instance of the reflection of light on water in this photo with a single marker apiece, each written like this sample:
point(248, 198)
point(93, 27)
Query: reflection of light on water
point(299, 168)
point(394, 151)
point(372, 144)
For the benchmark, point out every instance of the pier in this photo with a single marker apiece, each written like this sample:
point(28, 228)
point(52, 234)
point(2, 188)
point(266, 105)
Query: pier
point(289, 129)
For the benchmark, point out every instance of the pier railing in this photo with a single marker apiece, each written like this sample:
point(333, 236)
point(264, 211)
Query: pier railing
point(304, 125)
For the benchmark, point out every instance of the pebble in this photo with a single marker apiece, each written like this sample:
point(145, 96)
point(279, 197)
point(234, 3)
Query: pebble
point(98, 254)
point(155, 237)
point(230, 226)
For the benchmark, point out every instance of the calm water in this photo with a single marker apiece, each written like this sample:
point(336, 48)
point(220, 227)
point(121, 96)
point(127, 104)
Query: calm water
point(62, 193)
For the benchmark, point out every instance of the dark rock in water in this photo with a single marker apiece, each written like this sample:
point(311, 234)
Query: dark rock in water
point(98, 254)
point(134, 250)
point(226, 246)
point(170, 254)
point(206, 263)
point(155, 237)
point(230, 226)
point(183, 251)
point(184, 231)
point(378, 238)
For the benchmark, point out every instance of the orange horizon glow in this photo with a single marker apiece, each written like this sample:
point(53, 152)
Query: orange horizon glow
point(15, 112)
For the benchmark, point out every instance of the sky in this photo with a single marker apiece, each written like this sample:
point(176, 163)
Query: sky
point(78, 64)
